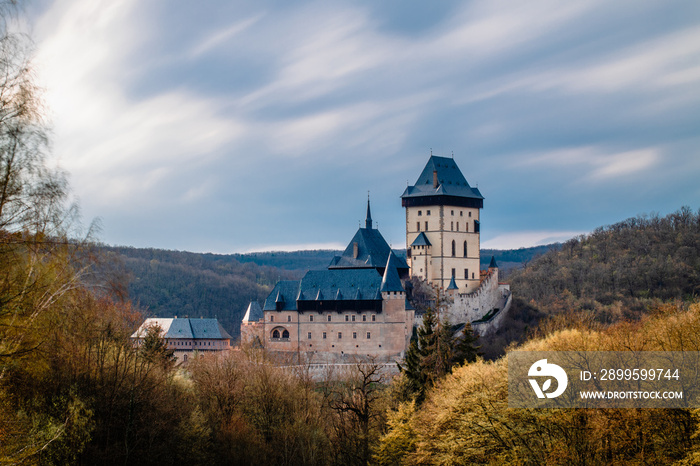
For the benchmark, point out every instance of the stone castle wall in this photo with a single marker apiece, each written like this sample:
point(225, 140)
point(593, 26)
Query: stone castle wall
point(337, 337)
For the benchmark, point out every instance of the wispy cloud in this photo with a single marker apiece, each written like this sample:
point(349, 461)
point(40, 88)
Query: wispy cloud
point(250, 111)
point(595, 163)
point(527, 239)
point(220, 37)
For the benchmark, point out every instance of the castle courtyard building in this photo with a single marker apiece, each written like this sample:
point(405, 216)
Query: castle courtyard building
point(186, 337)
point(355, 307)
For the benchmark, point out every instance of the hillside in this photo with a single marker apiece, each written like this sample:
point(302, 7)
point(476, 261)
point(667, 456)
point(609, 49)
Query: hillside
point(617, 273)
point(619, 270)
point(168, 283)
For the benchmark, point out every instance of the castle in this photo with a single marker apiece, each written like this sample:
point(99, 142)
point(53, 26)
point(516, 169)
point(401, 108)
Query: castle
point(358, 306)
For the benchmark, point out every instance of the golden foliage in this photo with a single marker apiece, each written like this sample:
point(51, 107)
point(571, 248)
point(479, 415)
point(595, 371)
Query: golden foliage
point(466, 419)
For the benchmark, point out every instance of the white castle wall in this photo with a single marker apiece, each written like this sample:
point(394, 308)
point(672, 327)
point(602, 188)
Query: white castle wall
point(494, 322)
point(473, 307)
point(469, 307)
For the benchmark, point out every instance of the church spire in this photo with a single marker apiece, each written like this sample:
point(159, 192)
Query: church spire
point(368, 220)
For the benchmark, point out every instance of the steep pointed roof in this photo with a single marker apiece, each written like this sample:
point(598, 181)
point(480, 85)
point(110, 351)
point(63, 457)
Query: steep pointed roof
point(368, 219)
point(452, 285)
point(391, 280)
point(493, 264)
point(254, 312)
point(443, 182)
point(421, 240)
point(367, 249)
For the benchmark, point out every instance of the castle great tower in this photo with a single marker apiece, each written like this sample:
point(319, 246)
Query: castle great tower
point(442, 226)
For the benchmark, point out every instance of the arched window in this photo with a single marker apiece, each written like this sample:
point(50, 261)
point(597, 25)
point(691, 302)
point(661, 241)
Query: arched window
point(454, 247)
point(285, 334)
point(465, 249)
point(275, 333)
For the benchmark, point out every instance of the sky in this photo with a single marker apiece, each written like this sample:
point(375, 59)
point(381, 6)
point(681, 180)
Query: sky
point(230, 126)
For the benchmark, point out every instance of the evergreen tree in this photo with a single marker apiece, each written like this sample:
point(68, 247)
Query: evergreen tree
point(464, 348)
point(434, 354)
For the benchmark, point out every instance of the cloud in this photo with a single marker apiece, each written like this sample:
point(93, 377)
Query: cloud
point(594, 163)
point(294, 247)
point(527, 239)
point(120, 150)
point(215, 111)
point(220, 37)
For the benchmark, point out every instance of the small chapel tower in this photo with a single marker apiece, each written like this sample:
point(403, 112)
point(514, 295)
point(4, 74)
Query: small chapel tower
point(442, 226)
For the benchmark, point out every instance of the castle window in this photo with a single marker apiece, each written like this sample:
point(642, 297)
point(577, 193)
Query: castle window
point(476, 226)
point(308, 335)
point(465, 249)
point(311, 318)
point(289, 318)
point(457, 226)
point(329, 317)
point(452, 212)
point(324, 335)
point(454, 248)
point(340, 335)
point(285, 334)
point(470, 214)
point(466, 274)
point(426, 225)
point(353, 318)
point(452, 226)
point(354, 335)
point(368, 335)
point(420, 212)
point(460, 213)
point(453, 273)
point(427, 212)
point(364, 318)
point(466, 227)
point(347, 318)
point(275, 334)
point(417, 226)
point(374, 318)
point(472, 275)
point(272, 318)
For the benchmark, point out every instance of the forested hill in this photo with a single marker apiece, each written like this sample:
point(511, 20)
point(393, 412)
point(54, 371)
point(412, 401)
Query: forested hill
point(617, 271)
point(173, 283)
point(169, 283)
point(319, 259)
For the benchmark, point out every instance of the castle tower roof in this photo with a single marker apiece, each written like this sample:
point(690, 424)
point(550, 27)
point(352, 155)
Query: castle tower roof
point(254, 312)
point(452, 285)
point(493, 264)
point(442, 183)
point(421, 240)
point(391, 280)
point(368, 219)
point(367, 250)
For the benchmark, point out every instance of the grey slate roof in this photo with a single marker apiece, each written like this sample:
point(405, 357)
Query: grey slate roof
point(421, 240)
point(452, 285)
point(373, 252)
point(254, 312)
point(451, 181)
point(286, 292)
point(493, 264)
point(185, 328)
point(390, 280)
point(332, 285)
